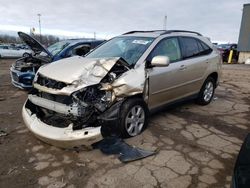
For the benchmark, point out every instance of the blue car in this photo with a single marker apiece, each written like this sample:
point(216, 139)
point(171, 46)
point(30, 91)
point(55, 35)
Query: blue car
point(24, 69)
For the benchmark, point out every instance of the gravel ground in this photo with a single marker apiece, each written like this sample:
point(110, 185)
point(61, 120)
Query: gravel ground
point(197, 145)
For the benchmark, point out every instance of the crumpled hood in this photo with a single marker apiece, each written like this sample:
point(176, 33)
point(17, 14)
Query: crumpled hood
point(78, 69)
point(78, 72)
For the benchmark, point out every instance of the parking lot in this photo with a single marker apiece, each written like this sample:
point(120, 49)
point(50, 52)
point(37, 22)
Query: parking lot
point(196, 145)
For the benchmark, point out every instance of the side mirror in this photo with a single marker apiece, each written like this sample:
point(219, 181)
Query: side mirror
point(160, 61)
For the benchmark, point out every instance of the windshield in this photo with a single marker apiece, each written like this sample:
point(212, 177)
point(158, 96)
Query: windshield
point(129, 48)
point(54, 49)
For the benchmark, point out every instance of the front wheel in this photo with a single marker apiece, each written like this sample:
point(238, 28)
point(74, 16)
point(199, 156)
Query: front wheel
point(134, 117)
point(207, 92)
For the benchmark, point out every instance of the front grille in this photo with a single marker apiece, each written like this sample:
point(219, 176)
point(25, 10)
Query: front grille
point(50, 83)
point(57, 98)
point(14, 76)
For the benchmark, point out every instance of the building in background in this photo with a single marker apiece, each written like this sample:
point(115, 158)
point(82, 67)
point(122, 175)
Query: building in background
point(244, 37)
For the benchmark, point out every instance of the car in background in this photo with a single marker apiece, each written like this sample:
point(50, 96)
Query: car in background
point(22, 46)
point(224, 49)
point(24, 69)
point(7, 51)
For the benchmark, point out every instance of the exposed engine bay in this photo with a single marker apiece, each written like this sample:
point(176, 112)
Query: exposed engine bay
point(30, 63)
point(90, 106)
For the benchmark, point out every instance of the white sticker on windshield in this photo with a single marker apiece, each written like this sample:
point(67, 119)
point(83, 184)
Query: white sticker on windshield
point(144, 42)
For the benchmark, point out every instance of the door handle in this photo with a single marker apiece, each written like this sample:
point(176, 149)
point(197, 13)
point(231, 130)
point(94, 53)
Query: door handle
point(183, 67)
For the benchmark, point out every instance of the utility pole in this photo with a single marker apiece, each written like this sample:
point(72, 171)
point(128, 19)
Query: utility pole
point(165, 23)
point(39, 15)
point(94, 35)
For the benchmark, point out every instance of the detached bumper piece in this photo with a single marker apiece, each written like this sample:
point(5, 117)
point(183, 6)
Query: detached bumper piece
point(127, 153)
point(61, 137)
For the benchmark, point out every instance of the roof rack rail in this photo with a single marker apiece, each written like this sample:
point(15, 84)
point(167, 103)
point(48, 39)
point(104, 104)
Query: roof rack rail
point(180, 31)
point(130, 32)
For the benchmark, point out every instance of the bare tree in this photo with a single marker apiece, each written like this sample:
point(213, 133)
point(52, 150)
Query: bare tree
point(46, 40)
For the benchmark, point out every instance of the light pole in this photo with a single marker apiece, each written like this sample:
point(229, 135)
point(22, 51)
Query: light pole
point(165, 23)
point(39, 15)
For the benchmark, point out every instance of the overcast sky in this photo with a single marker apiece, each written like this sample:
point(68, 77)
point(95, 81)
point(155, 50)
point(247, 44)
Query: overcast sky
point(217, 19)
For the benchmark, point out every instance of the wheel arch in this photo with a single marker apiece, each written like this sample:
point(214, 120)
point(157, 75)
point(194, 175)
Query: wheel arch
point(215, 76)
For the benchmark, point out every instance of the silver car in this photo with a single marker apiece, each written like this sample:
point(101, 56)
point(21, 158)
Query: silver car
point(13, 52)
point(78, 100)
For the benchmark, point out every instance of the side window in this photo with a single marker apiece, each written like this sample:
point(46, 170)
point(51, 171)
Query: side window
point(190, 47)
point(167, 47)
point(80, 50)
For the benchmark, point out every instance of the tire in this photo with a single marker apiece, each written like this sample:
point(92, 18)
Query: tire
point(26, 54)
point(206, 93)
point(133, 117)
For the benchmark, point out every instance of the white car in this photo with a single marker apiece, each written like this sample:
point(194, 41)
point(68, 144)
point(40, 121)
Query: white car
point(11, 51)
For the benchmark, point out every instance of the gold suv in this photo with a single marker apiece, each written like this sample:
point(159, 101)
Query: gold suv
point(112, 89)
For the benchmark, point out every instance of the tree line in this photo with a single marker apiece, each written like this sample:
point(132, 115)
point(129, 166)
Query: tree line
point(46, 40)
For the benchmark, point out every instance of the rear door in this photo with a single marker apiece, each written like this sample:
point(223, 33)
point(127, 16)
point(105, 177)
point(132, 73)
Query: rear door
point(14, 52)
point(195, 54)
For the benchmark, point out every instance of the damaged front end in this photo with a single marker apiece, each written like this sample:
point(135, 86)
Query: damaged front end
point(69, 111)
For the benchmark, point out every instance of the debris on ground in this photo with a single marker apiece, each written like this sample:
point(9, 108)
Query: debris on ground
point(3, 133)
point(2, 99)
point(14, 169)
point(127, 153)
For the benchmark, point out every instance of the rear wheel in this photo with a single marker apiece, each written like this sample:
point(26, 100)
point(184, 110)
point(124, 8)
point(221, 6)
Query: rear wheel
point(207, 92)
point(134, 117)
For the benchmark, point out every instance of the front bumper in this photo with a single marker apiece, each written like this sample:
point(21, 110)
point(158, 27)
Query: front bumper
point(22, 80)
point(60, 137)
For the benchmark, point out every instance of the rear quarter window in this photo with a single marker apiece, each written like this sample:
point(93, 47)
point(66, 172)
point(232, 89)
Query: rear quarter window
point(192, 47)
point(205, 48)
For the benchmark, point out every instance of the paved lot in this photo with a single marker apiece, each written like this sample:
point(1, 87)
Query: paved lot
point(197, 145)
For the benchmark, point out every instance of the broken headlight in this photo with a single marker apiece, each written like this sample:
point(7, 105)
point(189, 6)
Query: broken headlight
point(93, 97)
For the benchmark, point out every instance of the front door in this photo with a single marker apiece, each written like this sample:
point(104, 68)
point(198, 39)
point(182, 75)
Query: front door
point(164, 82)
